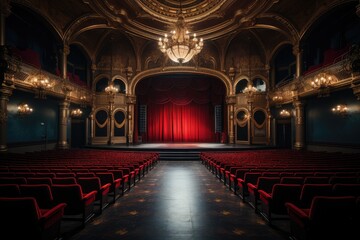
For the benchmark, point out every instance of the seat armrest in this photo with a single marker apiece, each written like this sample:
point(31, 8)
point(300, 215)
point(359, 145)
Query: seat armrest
point(297, 215)
point(265, 195)
point(89, 197)
point(251, 186)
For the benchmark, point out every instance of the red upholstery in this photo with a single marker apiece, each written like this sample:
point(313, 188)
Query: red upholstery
point(346, 189)
point(89, 184)
point(115, 184)
point(264, 184)
point(274, 202)
point(327, 218)
point(309, 191)
point(77, 202)
point(23, 219)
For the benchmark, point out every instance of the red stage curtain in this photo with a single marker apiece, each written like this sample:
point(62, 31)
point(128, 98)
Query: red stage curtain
point(180, 109)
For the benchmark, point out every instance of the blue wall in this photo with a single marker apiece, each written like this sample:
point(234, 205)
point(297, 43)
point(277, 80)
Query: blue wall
point(323, 126)
point(29, 128)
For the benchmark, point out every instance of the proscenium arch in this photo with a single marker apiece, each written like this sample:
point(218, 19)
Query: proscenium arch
point(196, 71)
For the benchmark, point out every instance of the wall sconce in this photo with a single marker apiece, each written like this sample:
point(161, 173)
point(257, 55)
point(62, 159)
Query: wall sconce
point(285, 113)
point(76, 113)
point(24, 109)
point(340, 109)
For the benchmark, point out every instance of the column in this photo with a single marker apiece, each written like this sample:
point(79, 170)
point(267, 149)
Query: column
point(230, 101)
point(131, 100)
point(65, 52)
point(298, 55)
point(5, 93)
point(111, 118)
point(250, 101)
point(299, 125)
point(63, 119)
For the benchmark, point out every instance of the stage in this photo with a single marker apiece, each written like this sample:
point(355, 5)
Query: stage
point(180, 151)
point(180, 146)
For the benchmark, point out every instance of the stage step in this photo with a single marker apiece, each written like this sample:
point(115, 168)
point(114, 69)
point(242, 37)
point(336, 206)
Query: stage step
point(179, 155)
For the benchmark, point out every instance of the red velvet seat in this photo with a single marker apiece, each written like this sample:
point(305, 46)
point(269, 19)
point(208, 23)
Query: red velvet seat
point(115, 184)
point(263, 183)
point(309, 191)
point(23, 219)
point(249, 177)
point(274, 202)
point(89, 184)
point(39, 180)
point(327, 218)
point(77, 202)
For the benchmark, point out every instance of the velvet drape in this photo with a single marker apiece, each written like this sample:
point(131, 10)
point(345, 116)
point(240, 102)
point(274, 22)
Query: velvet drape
point(180, 109)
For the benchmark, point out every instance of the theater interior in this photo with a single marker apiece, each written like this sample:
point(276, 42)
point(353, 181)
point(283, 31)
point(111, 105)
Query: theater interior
point(180, 119)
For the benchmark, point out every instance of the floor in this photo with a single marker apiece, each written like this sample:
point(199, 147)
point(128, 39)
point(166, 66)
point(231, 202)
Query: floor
point(178, 200)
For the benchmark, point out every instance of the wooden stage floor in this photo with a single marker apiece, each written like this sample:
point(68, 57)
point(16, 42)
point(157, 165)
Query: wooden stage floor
point(181, 146)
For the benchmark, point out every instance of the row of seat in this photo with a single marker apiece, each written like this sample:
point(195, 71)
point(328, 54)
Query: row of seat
point(305, 194)
point(79, 190)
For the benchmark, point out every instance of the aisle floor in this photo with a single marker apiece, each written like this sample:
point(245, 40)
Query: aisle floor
point(178, 200)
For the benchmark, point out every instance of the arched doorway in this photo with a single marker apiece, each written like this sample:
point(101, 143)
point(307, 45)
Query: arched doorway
point(180, 108)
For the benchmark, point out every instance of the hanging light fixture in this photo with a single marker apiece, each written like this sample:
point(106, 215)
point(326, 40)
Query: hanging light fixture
point(322, 82)
point(285, 113)
point(42, 83)
point(111, 89)
point(250, 89)
point(180, 47)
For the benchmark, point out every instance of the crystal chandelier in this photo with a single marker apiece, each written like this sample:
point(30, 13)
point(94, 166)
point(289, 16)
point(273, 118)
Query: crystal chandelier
point(180, 47)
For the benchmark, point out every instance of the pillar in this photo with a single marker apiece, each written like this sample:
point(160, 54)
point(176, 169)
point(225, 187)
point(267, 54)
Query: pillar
point(5, 93)
point(250, 101)
point(131, 100)
point(298, 55)
point(299, 125)
point(63, 120)
point(111, 118)
point(230, 101)
point(65, 52)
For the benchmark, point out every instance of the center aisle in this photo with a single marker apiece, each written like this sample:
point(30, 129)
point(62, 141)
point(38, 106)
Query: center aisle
point(178, 200)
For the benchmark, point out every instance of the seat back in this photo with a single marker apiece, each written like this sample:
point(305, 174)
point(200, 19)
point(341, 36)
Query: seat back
point(41, 192)
point(292, 180)
point(309, 191)
point(71, 194)
point(332, 210)
point(346, 189)
point(316, 180)
point(9, 190)
point(39, 180)
point(266, 183)
point(20, 218)
point(282, 193)
point(64, 180)
point(89, 184)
